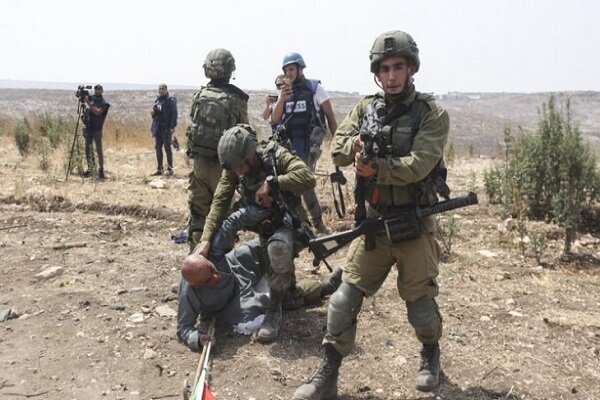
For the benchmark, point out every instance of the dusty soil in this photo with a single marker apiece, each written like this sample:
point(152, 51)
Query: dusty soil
point(512, 329)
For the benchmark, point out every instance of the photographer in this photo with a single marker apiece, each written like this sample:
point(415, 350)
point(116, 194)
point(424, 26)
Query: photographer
point(95, 114)
point(164, 121)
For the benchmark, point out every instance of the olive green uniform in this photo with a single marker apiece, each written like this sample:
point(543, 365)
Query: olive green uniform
point(206, 169)
point(408, 161)
point(293, 179)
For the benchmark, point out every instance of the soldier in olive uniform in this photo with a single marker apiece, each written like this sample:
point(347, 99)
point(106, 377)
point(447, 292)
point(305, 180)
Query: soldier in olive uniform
point(215, 107)
point(415, 131)
point(259, 171)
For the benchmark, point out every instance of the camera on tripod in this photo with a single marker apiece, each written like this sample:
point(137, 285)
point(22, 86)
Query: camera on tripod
point(83, 91)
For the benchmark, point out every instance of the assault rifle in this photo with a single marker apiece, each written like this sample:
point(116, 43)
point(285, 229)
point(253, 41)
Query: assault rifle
point(291, 220)
point(370, 136)
point(400, 226)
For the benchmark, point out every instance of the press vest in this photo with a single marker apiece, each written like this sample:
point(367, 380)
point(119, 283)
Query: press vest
point(300, 116)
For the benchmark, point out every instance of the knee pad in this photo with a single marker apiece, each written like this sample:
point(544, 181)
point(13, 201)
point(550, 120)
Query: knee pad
point(280, 256)
point(344, 306)
point(424, 316)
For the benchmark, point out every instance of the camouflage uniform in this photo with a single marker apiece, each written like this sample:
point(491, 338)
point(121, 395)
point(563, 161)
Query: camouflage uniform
point(417, 260)
point(294, 177)
point(414, 134)
point(215, 107)
point(238, 151)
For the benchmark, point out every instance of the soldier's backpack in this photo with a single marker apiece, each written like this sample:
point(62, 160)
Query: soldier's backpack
point(213, 111)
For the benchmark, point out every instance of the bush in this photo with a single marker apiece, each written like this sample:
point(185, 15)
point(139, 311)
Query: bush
point(54, 128)
point(549, 174)
point(22, 138)
point(43, 161)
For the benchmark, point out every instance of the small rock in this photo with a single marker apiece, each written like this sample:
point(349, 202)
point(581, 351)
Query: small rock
point(515, 313)
point(7, 313)
point(157, 184)
point(149, 354)
point(485, 318)
point(136, 317)
point(487, 253)
point(165, 311)
point(50, 272)
point(510, 302)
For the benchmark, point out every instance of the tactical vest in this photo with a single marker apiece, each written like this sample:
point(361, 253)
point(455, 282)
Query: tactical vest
point(398, 135)
point(300, 116)
point(249, 184)
point(213, 112)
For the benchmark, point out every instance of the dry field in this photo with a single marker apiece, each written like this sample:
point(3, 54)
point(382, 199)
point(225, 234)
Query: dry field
point(103, 326)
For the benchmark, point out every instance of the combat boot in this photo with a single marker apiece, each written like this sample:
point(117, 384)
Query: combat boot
point(322, 385)
point(331, 285)
point(428, 377)
point(269, 330)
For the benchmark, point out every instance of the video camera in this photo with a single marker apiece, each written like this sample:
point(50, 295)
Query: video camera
point(83, 91)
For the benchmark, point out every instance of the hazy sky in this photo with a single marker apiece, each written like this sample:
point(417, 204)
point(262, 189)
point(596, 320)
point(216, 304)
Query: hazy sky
point(471, 45)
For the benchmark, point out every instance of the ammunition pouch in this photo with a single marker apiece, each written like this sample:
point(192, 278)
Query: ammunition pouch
point(403, 228)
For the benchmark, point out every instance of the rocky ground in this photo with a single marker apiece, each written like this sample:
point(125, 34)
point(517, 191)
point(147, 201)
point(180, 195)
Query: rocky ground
point(86, 310)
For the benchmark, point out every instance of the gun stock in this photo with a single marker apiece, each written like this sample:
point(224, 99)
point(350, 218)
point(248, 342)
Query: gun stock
point(324, 246)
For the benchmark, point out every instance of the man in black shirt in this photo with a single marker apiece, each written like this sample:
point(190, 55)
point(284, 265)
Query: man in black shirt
point(95, 114)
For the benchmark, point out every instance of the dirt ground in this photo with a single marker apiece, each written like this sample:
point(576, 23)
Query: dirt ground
point(101, 328)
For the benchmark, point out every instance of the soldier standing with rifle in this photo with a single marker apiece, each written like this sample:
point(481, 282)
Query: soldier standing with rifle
point(215, 107)
point(396, 140)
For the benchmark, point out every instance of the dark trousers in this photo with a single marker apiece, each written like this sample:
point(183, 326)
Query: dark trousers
point(162, 138)
point(94, 136)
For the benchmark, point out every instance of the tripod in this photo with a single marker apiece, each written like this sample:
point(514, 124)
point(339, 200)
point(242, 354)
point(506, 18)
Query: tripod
point(80, 115)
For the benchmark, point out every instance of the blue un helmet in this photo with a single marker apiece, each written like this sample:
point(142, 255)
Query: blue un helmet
point(293, 58)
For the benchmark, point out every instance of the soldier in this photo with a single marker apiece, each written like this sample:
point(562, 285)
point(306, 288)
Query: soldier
point(260, 171)
point(215, 107)
point(414, 133)
point(304, 108)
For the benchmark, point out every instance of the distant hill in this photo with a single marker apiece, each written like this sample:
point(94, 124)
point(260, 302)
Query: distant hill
point(477, 120)
point(16, 84)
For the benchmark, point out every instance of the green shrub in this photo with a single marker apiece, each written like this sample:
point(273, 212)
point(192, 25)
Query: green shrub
point(549, 174)
point(22, 138)
point(447, 232)
point(43, 161)
point(56, 129)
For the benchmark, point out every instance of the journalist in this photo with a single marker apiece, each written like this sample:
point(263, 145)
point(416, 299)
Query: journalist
point(95, 114)
point(164, 121)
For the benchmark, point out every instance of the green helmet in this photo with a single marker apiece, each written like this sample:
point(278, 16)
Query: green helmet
point(236, 146)
point(219, 64)
point(394, 43)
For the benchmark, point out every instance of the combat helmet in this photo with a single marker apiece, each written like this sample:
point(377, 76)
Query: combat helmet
point(219, 64)
point(394, 43)
point(236, 146)
point(293, 58)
